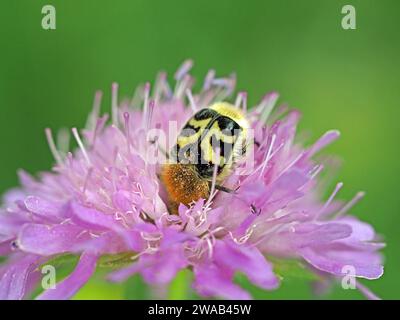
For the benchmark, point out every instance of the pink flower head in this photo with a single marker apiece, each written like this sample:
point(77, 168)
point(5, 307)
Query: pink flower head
point(106, 199)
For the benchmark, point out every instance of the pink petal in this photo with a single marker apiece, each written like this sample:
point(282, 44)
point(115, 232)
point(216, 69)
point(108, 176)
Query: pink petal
point(70, 285)
point(157, 268)
point(45, 240)
point(283, 190)
point(14, 281)
point(332, 258)
point(325, 140)
point(5, 247)
point(91, 218)
point(43, 208)
point(10, 223)
point(248, 260)
point(213, 281)
point(361, 231)
point(308, 234)
point(13, 195)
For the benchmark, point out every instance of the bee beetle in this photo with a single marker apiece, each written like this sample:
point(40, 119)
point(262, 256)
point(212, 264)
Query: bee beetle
point(213, 139)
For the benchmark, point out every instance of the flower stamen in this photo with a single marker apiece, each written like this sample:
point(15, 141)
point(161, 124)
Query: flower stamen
point(114, 103)
point(243, 239)
point(351, 203)
point(265, 107)
point(81, 146)
point(149, 115)
point(100, 122)
point(53, 147)
point(94, 115)
point(146, 103)
point(183, 69)
point(88, 175)
point(208, 80)
point(190, 97)
point(328, 202)
point(127, 132)
point(268, 155)
point(241, 100)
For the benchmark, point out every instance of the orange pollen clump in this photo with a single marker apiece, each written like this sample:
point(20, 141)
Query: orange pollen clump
point(183, 185)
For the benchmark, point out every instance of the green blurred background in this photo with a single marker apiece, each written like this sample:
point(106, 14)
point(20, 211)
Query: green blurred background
point(344, 79)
